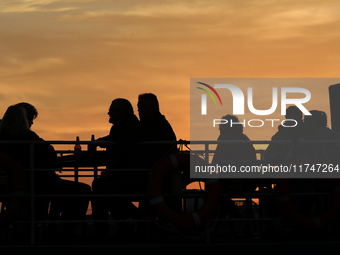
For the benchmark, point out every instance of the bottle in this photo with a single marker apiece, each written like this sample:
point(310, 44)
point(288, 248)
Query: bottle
point(91, 148)
point(77, 148)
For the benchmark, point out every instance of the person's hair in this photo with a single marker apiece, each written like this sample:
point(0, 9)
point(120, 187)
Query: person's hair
point(318, 119)
point(149, 99)
point(31, 111)
point(14, 120)
point(237, 128)
point(124, 105)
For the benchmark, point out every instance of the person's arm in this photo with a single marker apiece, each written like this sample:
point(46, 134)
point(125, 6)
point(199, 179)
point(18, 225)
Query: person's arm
point(45, 157)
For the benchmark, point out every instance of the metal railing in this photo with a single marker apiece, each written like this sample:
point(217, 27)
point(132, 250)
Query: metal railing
point(205, 153)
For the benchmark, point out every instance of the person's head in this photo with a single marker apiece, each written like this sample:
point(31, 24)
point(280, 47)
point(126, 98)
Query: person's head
point(31, 112)
point(316, 121)
point(293, 112)
point(147, 105)
point(14, 120)
point(120, 108)
point(231, 128)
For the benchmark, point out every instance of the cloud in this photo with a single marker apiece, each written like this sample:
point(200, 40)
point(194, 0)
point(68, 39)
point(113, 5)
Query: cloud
point(14, 66)
point(311, 16)
point(288, 22)
point(25, 6)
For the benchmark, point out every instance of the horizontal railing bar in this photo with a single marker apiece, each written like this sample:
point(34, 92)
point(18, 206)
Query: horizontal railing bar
point(84, 221)
point(264, 141)
point(242, 196)
point(167, 142)
point(92, 195)
point(84, 142)
point(85, 176)
point(155, 220)
point(248, 219)
point(88, 170)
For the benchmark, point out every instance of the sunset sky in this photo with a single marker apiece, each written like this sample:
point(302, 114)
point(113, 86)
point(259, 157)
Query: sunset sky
point(72, 58)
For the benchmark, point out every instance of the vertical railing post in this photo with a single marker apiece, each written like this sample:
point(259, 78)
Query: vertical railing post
point(32, 193)
point(77, 152)
point(206, 151)
point(92, 150)
point(208, 232)
point(76, 174)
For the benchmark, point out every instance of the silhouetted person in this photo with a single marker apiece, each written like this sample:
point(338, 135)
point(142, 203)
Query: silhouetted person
point(281, 151)
point(31, 112)
point(154, 127)
point(123, 131)
point(15, 125)
point(127, 129)
point(315, 128)
point(233, 152)
point(124, 127)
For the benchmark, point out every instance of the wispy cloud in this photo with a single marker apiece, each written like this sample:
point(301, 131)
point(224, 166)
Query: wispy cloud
point(13, 66)
point(17, 6)
point(290, 22)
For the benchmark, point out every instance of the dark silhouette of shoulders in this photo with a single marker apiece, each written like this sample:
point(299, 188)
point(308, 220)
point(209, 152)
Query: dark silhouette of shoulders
point(156, 128)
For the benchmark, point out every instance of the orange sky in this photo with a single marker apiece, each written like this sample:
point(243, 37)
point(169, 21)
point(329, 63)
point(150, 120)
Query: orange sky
point(72, 58)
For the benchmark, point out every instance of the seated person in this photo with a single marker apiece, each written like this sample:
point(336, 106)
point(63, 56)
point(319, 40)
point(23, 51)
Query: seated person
point(15, 125)
point(286, 152)
point(315, 128)
point(233, 152)
point(154, 127)
point(124, 126)
point(127, 131)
